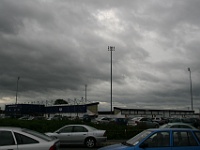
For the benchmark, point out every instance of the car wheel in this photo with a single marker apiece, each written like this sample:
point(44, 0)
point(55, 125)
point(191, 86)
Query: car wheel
point(90, 142)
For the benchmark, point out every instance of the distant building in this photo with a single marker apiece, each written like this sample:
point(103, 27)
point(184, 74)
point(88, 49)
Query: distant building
point(72, 110)
point(19, 110)
point(131, 112)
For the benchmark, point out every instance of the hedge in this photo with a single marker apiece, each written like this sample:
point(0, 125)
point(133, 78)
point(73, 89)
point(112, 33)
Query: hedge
point(114, 131)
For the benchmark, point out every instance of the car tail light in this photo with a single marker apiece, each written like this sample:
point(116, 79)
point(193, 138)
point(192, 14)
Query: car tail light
point(53, 147)
point(105, 134)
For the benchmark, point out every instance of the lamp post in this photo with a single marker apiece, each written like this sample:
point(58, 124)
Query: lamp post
point(75, 102)
point(191, 88)
point(111, 49)
point(85, 93)
point(17, 88)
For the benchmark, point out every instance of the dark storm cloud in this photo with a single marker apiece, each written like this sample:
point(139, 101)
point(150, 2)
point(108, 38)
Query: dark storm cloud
point(56, 47)
point(40, 62)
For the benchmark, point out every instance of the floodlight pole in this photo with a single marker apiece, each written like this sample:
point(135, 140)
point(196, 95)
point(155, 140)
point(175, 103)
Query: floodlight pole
point(17, 88)
point(85, 93)
point(111, 49)
point(191, 94)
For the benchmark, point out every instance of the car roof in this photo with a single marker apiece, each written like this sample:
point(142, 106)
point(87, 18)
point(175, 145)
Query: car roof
point(83, 125)
point(181, 123)
point(10, 128)
point(171, 129)
point(76, 125)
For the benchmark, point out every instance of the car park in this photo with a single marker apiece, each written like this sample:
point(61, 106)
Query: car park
point(77, 134)
point(177, 125)
point(161, 139)
point(14, 138)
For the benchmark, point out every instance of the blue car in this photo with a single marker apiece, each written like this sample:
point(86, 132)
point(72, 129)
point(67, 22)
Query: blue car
point(161, 139)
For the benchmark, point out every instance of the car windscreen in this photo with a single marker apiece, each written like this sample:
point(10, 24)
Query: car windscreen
point(136, 139)
point(38, 134)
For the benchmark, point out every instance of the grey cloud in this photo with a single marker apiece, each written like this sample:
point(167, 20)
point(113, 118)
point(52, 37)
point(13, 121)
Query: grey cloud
point(56, 47)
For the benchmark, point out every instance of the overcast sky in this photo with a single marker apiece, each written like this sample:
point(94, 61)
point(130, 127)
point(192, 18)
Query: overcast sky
point(57, 47)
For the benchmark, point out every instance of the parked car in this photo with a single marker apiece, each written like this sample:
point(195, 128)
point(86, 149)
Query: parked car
point(159, 120)
point(166, 119)
point(56, 117)
point(79, 134)
point(24, 118)
point(13, 138)
point(133, 121)
point(177, 125)
point(161, 139)
point(101, 120)
point(88, 118)
point(193, 121)
point(119, 121)
point(143, 121)
point(172, 120)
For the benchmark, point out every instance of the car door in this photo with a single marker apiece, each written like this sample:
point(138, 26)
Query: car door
point(148, 122)
point(184, 140)
point(158, 141)
point(7, 141)
point(64, 134)
point(26, 143)
point(79, 134)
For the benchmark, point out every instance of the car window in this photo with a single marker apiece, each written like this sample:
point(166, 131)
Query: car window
point(66, 129)
point(159, 139)
point(175, 126)
point(6, 138)
point(80, 129)
point(38, 134)
point(136, 139)
point(183, 138)
point(184, 126)
point(148, 119)
point(143, 119)
point(22, 139)
point(197, 133)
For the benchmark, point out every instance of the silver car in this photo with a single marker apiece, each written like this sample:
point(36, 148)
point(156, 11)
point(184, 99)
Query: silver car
point(79, 134)
point(14, 138)
point(177, 125)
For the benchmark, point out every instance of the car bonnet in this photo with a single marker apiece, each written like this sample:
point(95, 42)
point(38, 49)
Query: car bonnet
point(117, 147)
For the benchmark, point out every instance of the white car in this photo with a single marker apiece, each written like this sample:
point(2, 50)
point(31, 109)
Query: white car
point(14, 138)
point(133, 121)
point(177, 125)
point(102, 120)
point(145, 121)
point(79, 134)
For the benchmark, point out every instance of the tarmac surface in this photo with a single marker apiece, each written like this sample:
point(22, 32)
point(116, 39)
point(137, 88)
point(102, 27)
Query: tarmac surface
point(75, 147)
